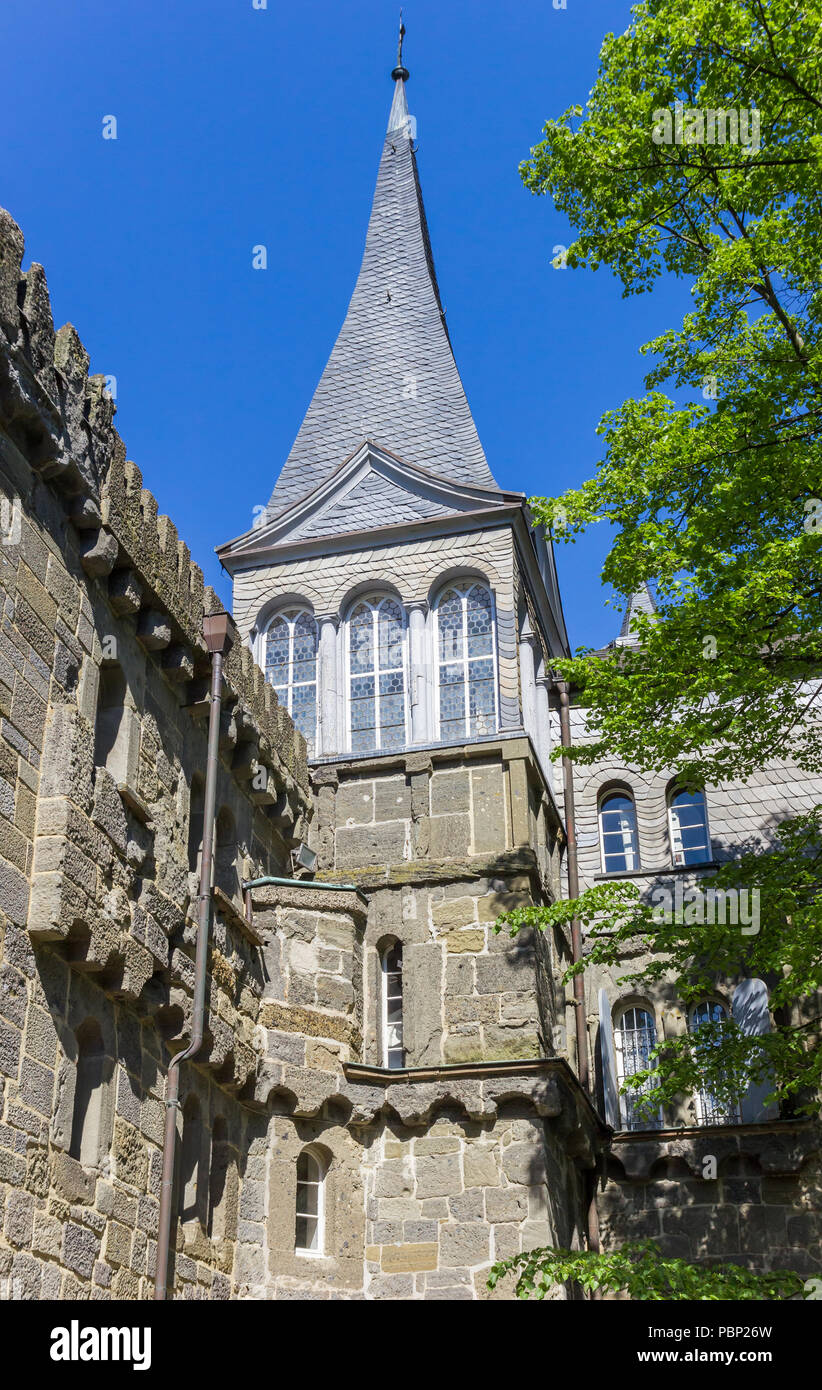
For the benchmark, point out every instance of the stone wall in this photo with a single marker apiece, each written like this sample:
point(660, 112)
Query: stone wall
point(748, 1194)
point(431, 1176)
point(103, 710)
point(442, 843)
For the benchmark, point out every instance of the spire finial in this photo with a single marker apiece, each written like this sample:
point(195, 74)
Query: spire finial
point(400, 73)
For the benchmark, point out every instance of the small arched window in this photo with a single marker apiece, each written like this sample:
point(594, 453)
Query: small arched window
point(688, 824)
point(466, 662)
point(87, 1111)
point(709, 1017)
point(618, 834)
point(310, 1223)
point(291, 667)
point(376, 665)
point(393, 1051)
point(634, 1040)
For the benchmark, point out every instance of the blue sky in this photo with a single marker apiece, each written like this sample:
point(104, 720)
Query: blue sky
point(238, 127)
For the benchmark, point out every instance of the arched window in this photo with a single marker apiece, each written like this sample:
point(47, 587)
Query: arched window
point(688, 824)
point(634, 1040)
point(87, 1112)
point(393, 1052)
point(709, 1017)
point(309, 1232)
point(376, 666)
point(618, 834)
point(291, 667)
point(466, 662)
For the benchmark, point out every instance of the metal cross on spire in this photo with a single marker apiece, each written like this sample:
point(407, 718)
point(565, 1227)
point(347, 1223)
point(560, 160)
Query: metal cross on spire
point(400, 71)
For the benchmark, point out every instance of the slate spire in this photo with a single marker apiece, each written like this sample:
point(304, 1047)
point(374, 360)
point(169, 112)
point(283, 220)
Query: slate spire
point(391, 376)
point(640, 602)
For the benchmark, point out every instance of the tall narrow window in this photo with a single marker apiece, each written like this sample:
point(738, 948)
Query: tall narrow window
point(309, 1235)
point(467, 668)
point(634, 1040)
point(392, 1040)
point(110, 731)
point(688, 823)
point(190, 1160)
point(196, 803)
point(618, 835)
point(87, 1112)
point(225, 853)
point(291, 666)
point(709, 1018)
point(218, 1181)
point(376, 663)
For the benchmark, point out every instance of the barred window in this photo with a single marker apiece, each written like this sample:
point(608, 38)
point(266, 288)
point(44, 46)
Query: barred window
point(618, 834)
point(392, 1039)
point(291, 667)
point(466, 662)
point(709, 1017)
point(310, 1214)
point(634, 1040)
point(688, 821)
point(376, 667)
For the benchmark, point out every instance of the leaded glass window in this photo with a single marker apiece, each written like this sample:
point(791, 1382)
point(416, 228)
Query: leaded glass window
point(689, 828)
point(634, 1040)
point(709, 1017)
point(466, 662)
point(376, 670)
point(291, 667)
point(392, 1042)
point(310, 1204)
point(618, 834)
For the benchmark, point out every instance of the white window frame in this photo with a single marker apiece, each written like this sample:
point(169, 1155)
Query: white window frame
point(375, 601)
point(708, 1115)
point(606, 796)
point(290, 613)
point(678, 855)
point(321, 1168)
point(626, 1099)
point(392, 945)
point(463, 587)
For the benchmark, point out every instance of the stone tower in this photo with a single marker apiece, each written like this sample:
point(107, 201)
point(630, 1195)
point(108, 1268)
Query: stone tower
point(406, 611)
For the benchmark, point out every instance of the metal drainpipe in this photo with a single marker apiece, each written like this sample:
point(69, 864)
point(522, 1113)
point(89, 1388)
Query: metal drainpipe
point(219, 632)
point(573, 886)
point(592, 1214)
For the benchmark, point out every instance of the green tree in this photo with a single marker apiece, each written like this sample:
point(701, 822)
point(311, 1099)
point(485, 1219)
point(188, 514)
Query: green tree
point(712, 488)
point(641, 1271)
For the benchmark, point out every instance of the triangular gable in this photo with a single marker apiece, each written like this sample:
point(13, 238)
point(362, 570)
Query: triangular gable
point(371, 489)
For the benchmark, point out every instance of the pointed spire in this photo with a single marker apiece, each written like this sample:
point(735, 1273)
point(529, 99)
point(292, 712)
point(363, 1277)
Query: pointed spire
point(391, 376)
point(400, 73)
point(640, 602)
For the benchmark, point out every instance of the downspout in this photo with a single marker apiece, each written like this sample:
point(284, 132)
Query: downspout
point(583, 1069)
point(219, 632)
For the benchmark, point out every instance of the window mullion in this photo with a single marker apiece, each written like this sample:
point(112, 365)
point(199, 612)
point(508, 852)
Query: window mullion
point(375, 643)
point(465, 666)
